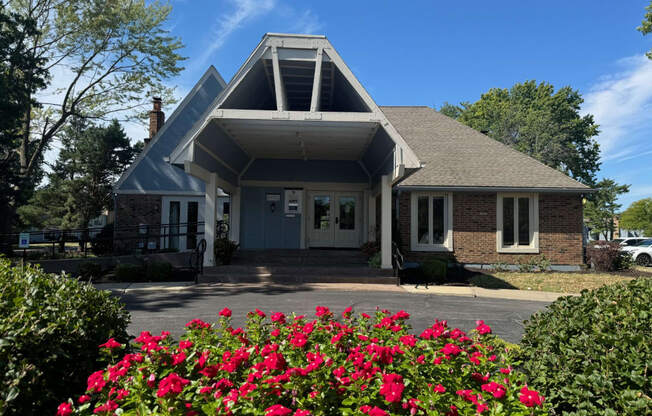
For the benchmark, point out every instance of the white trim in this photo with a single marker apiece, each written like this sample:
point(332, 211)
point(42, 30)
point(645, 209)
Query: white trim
point(447, 245)
point(246, 168)
point(316, 83)
point(157, 192)
point(216, 157)
point(210, 71)
point(210, 202)
point(279, 87)
point(386, 222)
point(533, 247)
point(199, 172)
point(492, 189)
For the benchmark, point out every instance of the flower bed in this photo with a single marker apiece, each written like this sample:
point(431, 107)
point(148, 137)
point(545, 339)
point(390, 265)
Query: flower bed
point(292, 365)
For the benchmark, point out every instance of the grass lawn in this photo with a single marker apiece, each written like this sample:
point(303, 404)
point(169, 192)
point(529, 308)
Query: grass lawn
point(564, 282)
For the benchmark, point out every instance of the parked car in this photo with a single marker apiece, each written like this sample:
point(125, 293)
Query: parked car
point(646, 242)
point(643, 254)
point(630, 241)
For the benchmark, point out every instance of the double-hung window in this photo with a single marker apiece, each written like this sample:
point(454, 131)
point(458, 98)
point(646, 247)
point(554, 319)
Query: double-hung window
point(517, 217)
point(431, 221)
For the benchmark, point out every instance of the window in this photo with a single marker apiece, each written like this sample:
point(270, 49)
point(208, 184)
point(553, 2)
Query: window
point(517, 217)
point(431, 221)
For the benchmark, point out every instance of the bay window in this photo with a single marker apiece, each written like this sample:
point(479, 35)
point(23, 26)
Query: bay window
point(517, 217)
point(431, 221)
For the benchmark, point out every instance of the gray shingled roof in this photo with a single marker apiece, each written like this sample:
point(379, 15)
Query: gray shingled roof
point(458, 156)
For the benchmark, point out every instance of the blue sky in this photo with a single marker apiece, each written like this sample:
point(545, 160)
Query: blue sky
point(429, 52)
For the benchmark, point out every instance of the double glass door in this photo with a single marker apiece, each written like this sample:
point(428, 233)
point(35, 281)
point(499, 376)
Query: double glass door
point(334, 219)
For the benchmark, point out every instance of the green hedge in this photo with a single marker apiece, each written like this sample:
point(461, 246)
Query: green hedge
point(50, 329)
point(592, 354)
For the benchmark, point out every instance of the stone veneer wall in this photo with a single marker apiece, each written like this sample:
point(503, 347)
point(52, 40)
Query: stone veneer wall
point(474, 229)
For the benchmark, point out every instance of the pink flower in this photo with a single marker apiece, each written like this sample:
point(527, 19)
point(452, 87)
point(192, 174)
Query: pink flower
point(185, 344)
point(96, 382)
point(321, 311)
point(64, 409)
point(451, 349)
point(83, 398)
point(278, 317)
point(226, 312)
point(301, 412)
point(496, 389)
point(172, 384)
point(482, 328)
point(439, 389)
point(111, 344)
point(530, 398)
point(347, 312)
point(277, 410)
point(107, 407)
point(178, 358)
point(197, 324)
point(373, 411)
point(260, 313)
point(392, 388)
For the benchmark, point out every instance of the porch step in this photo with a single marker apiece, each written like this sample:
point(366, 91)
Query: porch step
point(296, 274)
point(312, 257)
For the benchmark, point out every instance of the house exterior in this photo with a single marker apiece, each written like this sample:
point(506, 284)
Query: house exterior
point(304, 158)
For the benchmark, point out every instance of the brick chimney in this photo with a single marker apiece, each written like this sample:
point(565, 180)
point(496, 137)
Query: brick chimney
point(156, 119)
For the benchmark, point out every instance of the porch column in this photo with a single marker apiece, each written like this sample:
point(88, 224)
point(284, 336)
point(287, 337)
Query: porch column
point(386, 222)
point(234, 216)
point(371, 230)
point(209, 219)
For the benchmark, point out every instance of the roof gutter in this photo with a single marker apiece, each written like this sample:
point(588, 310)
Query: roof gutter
point(494, 189)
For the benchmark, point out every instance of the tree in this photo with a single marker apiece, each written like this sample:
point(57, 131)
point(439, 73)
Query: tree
point(540, 122)
point(80, 186)
point(451, 110)
point(638, 216)
point(115, 53)
point(646, 25)
point(21, 75)
point(601, 208)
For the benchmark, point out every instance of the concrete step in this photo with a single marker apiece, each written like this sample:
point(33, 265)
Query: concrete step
point(295, 278)
point(313, 257)
point(308, 270)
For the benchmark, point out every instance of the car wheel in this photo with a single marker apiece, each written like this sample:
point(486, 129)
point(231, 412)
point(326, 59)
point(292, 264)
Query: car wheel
point(643, 260)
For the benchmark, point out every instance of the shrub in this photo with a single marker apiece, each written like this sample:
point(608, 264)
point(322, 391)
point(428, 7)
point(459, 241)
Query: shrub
point(591, 354)
point(606, 256)
point(158, 271)
point(375, 261)
point(126, 272)
point(370, 248)
point(224, 249)
point(500, 267)
point(434, 270)
point(102, 243)
point(89, 270)
point(298, 366)
point(50, 327)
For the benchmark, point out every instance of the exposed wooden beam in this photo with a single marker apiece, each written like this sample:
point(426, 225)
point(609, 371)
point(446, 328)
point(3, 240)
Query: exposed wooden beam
point(316, 83)
point(281, 100)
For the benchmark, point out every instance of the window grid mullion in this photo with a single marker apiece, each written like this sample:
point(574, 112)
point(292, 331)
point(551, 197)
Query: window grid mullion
point(431, 239)
point(516, 242)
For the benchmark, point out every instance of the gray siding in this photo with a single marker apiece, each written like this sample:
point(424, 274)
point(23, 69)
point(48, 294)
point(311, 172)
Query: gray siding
point(293, 170)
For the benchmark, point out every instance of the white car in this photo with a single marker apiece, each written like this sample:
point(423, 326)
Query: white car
point(642, 253)
point(636, 244)
point(629, 241)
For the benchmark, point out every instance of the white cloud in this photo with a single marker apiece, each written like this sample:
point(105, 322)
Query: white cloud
point(226, 24)
point(622, 105)
point(307, 23)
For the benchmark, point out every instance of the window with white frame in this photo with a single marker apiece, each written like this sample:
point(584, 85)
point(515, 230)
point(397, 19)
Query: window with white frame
point(517, 217)
point(431, 221)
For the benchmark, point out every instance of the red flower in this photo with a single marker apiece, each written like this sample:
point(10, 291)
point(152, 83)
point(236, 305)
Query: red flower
point(496, 389)
point(197, 324)
point(530, 398)
point(321, 311)
point(64, 409)
point(373, 411)
point(278, 317)
point(347, 312)
point(392, 387)
point(439, 389)
point(185, 345)
point(96, 382)
point(171, 384)
point(300, 412)
point(277, 410)
point(226, 312)
point(111, 344)
point(107, 407)
point(260, 313)
point(178, 358)
point(482, 328)
point(451, 349)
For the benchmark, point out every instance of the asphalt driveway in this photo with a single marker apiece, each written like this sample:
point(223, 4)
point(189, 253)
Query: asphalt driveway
point(171, 310)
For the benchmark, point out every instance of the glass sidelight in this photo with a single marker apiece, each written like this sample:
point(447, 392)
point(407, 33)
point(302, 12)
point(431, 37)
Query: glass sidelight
point(173, 224)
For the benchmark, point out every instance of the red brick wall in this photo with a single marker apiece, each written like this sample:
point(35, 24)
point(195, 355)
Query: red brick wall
point(474, 229)
point(133, 210)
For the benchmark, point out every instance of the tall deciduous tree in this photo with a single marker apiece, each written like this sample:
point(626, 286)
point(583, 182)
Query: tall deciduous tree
point(646, 25)
point(107, 57)
point(638, 216)
point(540, 122)
point(601, 208)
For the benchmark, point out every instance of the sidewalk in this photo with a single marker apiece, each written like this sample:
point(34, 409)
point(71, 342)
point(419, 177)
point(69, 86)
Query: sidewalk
point(467, 291)
point(478, 292)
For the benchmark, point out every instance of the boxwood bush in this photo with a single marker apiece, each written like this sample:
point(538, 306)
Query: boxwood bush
point(592, 354)
point(300, 366)
point(50, 328)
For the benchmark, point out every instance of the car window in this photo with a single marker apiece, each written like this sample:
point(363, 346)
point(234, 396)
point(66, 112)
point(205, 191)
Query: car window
point(644, 243)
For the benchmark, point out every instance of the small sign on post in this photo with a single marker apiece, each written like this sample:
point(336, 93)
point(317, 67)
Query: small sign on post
point(23, 240)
